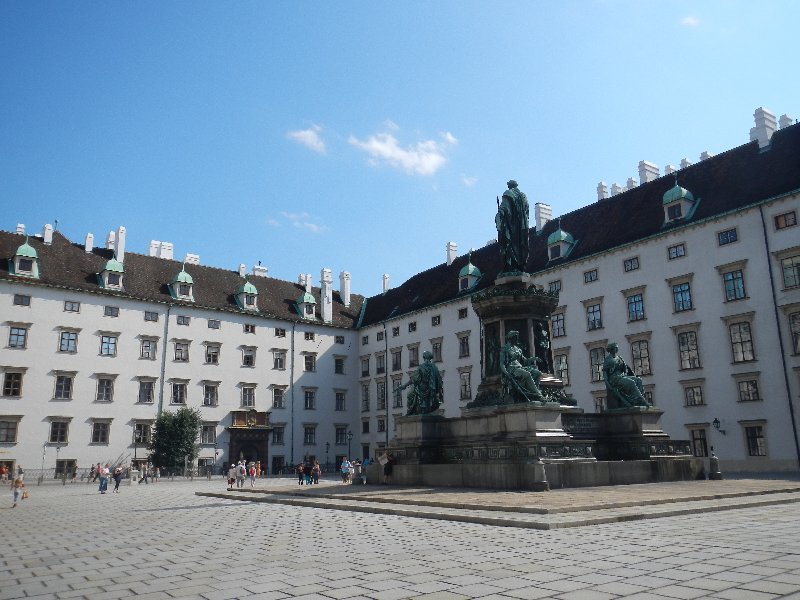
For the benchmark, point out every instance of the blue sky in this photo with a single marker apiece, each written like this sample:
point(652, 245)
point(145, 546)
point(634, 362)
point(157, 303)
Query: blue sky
point(362, 136)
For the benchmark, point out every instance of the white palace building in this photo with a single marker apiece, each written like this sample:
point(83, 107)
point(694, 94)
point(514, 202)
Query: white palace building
point(694, 272)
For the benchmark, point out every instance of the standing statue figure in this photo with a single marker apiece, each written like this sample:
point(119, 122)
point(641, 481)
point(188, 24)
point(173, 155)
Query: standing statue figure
point(512, 228)
point(519, 375)
point(543, 348)
point(622, 385)
point(428, 390)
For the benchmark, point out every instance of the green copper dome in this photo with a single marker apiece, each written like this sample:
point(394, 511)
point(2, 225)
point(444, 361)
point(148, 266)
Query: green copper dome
point(26, 251)
point(306, 298)
point(247, 288)
point(183, 277)
point(559, 236)
point(114, 266)
point(677, 193)
point(469, 269)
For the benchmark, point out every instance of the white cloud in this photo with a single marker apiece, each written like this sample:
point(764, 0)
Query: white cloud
point(469, 181)
point(425, 157)
point(309, 138)
point(690, 21)
point(303, 221)
point(273, 222)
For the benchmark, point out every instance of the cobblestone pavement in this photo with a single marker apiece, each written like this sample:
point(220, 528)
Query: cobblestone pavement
point(162, 542)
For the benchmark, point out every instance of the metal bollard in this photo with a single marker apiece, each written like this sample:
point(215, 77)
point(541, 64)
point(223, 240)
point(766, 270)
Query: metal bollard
point(715, 474)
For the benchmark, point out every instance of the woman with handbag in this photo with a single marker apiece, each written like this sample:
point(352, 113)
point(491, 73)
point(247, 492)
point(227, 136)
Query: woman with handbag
point(19, 491)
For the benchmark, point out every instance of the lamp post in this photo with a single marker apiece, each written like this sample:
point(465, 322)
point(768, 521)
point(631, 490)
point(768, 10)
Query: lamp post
point(327, 449)
point(216, 454)
point(349, 439)
point(44, 454)
point(64, 470)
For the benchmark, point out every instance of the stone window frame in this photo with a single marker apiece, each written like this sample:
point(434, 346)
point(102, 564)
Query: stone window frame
point(381, 393)
point(249, 351)
point(310, 397)
point(728, 268)
point(397, 395)
point(730, 321)
point(785, 254)
point(146, 379)
point(62, 329)
point(16, 420)
point(59, 419)
point(109, 335)
point(688, 279)
point(590, 303)
point(677, 330)
point(73, 306)
point(339, 364)
point(107, 421)
point(380, 362)
point(559, 311)
point(596, 374)
point(629, 293)
point(792, 312)
point(461, 336)
point(310, 434)
point(643, 336)
point(591, 275)
point(18, 325)
point(704, 427)
point(279, 356)
point(787, 221)
point(413, 354)
point(554, 286)
point(600, 400)
point(752, 423)
point(437, 356)
point(247, 388)
point(70, 375)
point(151, 340)
point(365, 395)
point(280, 390)
point(465, 394)
point(364, 361)
point(397, 358)
point(174, 382)
point(209, 384)
point(696, 383)
point(340, 393)
point(631, 264)
point(278, 436)
point(744, 377)
point(677, 251)
point(208, 426)
point(365, 425)
point(182, 342)
point(209, 346)
point(105, 377)
point(565, 352)
point(720, 234)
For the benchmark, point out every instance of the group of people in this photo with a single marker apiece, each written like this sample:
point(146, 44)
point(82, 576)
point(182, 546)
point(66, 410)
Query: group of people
point(18, 490)
point(103, 473)
point(308, 472)
point(355, 471)
point(238, 472)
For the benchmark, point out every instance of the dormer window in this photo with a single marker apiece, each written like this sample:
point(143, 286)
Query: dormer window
point(468, 276)
point(247, 297)
point(555, 252)
point(306, 305)
point(559, 244)
point(679, 204)
point(182, 286)
point(112, 275)
point(25, 262)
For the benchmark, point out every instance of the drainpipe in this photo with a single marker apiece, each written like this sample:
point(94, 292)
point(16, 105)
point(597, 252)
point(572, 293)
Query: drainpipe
point(163, 361)
point(386, 393)
point(780, 335)
point(291, 397)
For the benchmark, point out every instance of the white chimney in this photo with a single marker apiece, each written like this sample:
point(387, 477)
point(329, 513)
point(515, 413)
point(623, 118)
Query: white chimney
point(785, 121)
point(615, 189)
point(685, 162)
point(47, 234)
point(192, 259)
point(542, 213)
point(765, 127)
point(344, 287)
point(309, 283)
point(259, 271)
point(491, 241)
point(602, 191)
point(326, 295)
point(631, 184)
point(452, 253)
point(20, 228)
point(647, 171)
point(89, 244)
point(705, 154)
point(154, 246)
point(670, 169)
point(242, 269)
point(165, 251)
point(386, 286)
point(120, 251)
point(111, 240)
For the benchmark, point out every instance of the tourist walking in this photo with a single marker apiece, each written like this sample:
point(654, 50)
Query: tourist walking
point(3, 473)
point(103, 475)
point(299, 471)
point(316, 471)
point(145, 474)
point(252, 473)
point(117, 478)
point(345, 468)
point(241, 472)
point(157, 475)
point(17, 489)
point(231, 476)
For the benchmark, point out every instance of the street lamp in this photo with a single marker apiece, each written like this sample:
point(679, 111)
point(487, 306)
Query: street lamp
point(349, 439)
point(44, 454)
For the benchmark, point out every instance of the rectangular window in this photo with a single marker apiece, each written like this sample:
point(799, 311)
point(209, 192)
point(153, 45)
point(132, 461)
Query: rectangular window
point(63, 387)
point(340, 402)
point(742, 342)
point(149, 315)
point(463, 346)
point(555, 252)
point(748, 390)
point(309, 435)
point(277, 436)
point(557, 324)
point(674, 212)
point(279, 360)
point(596, 358)
point(688, 350)
point(338, 339)
point(462, 313)
point(726, 237)
point(785, 220)
point(380, 364)
point(212, 354)
point(734, 285)
point(250, 328)
point(364, 340)
point(208, 434)
point(640, 351)
point(413, 356)
point(279, 332)
point(364, 426)
point(379, 336)
point(381, 425)
point(340, 436)
point(210, 394)
point(397, 395)
point(214, 324)
point(365, 367)
point(631, 264)
point(380, 388)
point(699, 445)
point(554, 286)
point(338, 365)
point(17, 337)
point(794, 327)
point(248, 357)
point(412, 327)
point(59, 431)
point(248, 396)
point(790, 267)
point(756, 442)
point(25, 265)
point(590, 276)
point(364, 397)
point(113, 279)
point(183, 319)
point(561, 367)
point(179, 393)
point(100, 433)
point(635, 307)
point(310, 362)
point(12, 384)
point(436, 320)
point(397, 360)
point(105, 390)
point(148, 349)
point(8, 432)
point(465, 385)
point(436, 349)
point(682, 297)
point(181, 352)
point(108, 345)
point(309, 336)
point(395, 331)
point(111, 311)
point(310, 399)
point(72, 306)
point(693, 395)
point(146, 391)
point(22, 300)
point(68, 341)
point(277, 398)
point(593, 317)
point(676, 251)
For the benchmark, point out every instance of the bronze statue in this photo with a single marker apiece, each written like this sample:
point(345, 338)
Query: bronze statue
point(519, 375)
point(543, 348)
point(512, 228)
point(428, 392)
point(624, 388)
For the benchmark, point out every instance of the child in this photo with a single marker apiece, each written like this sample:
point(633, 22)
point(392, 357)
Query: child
point(17, 488)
